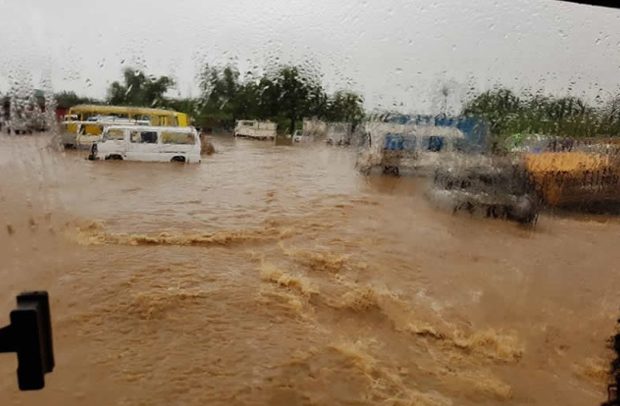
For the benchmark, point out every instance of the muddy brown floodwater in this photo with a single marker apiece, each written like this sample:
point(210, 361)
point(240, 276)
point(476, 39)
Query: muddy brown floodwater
point(278, 275)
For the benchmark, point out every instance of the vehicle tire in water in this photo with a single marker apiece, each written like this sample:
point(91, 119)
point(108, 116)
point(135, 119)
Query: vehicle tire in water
point(391, 170)
point(178, 159)
point(114, 158)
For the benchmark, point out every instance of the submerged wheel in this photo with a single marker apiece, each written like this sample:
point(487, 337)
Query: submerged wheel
point(365, 170)
point(114, 158)
point(391, 170)
point(525, 211)
point(178, 159)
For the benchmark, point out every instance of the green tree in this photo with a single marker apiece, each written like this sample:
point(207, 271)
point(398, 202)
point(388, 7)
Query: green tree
point(345, 106)
point(610, 117)
point(188, 106)
point(284, 94)
point(500, 108)
point(318, 102)
point(68, 99)
point(219, 99)
point(293, 90)
point(138, 89)
point(568, 116)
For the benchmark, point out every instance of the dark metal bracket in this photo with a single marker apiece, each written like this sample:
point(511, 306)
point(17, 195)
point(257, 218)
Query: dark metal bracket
point(30, 336)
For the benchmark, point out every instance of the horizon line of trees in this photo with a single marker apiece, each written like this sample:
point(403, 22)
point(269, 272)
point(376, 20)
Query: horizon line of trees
point(287, 94)
point(508, 113)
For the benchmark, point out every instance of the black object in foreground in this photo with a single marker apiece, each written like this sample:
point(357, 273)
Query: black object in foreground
point(602, 3)
point(612, 389)
point(30, 336)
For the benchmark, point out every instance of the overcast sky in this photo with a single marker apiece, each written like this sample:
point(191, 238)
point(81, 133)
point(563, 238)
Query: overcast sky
point(396, 53)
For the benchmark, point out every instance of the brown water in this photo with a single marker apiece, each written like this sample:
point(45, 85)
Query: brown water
point(278, 275)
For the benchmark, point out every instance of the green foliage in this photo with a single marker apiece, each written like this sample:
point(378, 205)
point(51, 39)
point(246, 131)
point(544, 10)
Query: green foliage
point(69, 99)
point(500, 108)
point(284, 95)
point(508, 114)
point(345, 106)
point(138, 89)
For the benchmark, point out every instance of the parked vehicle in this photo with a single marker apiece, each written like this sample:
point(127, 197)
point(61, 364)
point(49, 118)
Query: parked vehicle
point(416, 143)
point(314, 129)
point(156, 144)
point(567, 173)
point(586, 177)
point(298, 136)
point(492, 186)
point(39, 122)
point(338, 134)
point(18, 125)
point(90, 120)
point(91, 130)
point(258, 130)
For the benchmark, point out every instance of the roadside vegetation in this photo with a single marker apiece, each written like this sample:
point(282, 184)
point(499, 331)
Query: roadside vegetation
point(511, 115)
point(287, 94)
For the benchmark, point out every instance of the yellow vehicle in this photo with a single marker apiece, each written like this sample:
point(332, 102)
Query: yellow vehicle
point(580, 174)
point(576, 177)
point(89, 120)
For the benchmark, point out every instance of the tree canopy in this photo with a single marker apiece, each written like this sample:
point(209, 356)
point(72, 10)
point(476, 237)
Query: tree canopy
point(285, 95)
point(508, 113)
point(67, 99)
point(138, 89)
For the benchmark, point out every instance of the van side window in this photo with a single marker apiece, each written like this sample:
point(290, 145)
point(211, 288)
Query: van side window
point(115, 134)
point(171, 137)
point(144, 137)
point(435, 144)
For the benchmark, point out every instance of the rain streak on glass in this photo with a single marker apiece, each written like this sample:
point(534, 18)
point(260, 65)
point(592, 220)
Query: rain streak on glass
point(327, 203)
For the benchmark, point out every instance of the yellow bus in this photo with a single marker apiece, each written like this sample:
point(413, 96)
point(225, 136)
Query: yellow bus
point(89, 119)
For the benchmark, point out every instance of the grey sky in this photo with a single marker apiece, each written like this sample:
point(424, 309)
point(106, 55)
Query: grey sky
point(396, 53)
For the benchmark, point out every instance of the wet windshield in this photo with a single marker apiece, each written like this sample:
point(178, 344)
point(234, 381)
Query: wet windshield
point(336, 203)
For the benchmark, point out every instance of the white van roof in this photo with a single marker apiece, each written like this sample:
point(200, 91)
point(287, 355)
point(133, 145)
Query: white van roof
point(152, 128)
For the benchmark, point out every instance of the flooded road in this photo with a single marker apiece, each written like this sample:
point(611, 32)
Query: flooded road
point(281, 276)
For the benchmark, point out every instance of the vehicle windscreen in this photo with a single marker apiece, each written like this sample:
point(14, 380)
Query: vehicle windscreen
point(352, 202)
